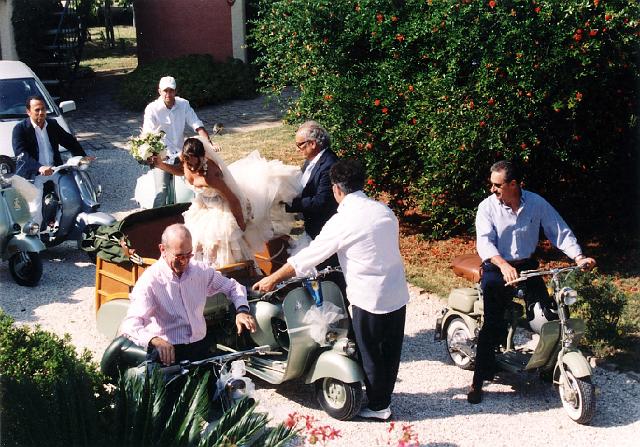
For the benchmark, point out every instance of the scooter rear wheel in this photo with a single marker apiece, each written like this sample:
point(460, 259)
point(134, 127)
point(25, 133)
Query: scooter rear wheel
point(458, 333)
point(339, 400)
point(578, 398)
point(26, 268)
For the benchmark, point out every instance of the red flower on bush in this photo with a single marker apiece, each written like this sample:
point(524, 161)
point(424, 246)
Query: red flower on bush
point(523, 145)
point(370, 182)
point(410, 88)
point(578, 96)
point(593, 32)
point(596, 3)
point(325, 39)
point(376, 102)
point(413, 121)
point(400, 37)
point(492, 4)
point(394, 18)
point(471, 104)
point(491, 101)
point(379, 18)
point(482, 124)
point(369, 146)
point(328, 97)
point(608, 17)
point(385, 110)
point(537, 9)
point(359, 121)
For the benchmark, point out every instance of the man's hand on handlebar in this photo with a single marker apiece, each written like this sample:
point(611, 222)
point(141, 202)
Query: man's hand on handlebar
point(586, 263)
point(165, 349)
point(266, 284)
point(45, 170)
point(245, 320)
point(509, 273)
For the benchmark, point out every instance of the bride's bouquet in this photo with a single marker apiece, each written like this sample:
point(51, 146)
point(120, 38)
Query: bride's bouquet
point(147, 144)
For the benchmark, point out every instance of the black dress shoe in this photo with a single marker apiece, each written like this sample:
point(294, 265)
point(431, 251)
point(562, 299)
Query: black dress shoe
point(475, 395)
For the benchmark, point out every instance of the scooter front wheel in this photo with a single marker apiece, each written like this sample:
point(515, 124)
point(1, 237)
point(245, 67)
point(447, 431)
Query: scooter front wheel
point(339, 400)
point(578, 398)
point(26, 268)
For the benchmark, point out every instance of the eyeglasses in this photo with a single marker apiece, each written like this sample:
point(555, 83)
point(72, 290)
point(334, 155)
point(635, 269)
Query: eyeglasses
point(182, 256)
point(302, 144)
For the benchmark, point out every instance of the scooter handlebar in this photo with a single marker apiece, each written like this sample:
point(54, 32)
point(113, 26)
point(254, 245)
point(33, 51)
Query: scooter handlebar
point(296, 279)
point(526, 274)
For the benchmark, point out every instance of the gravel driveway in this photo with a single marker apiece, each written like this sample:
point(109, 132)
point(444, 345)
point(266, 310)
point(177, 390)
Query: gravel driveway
point(430, 393)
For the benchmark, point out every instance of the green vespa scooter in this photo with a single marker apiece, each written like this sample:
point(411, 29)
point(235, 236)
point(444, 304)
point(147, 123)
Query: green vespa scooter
point(20, 243)
point(326, 359)
point(556, 355)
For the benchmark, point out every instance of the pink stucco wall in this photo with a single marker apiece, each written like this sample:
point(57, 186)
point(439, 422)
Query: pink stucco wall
point(172, 28)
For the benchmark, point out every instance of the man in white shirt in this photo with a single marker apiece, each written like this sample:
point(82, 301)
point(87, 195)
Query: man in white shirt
point(508, 226)
point(170, 114)
point(36, 143)
point(365, 235)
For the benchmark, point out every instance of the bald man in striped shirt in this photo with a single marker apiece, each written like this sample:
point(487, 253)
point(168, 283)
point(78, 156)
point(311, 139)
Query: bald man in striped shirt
point(167, 302)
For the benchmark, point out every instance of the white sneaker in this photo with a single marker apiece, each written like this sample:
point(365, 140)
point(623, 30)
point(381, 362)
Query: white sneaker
point(383, 414)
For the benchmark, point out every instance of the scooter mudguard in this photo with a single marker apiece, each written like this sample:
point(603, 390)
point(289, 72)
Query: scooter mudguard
point(575, 361)
point(549, 334)
point(337, 366)
point(23, 243)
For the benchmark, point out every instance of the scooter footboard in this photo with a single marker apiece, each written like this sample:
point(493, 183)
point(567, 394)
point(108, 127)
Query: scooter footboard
point(337, 366)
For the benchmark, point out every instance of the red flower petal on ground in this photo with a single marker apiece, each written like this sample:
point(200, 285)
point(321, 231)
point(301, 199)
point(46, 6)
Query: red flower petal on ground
point(492, 4)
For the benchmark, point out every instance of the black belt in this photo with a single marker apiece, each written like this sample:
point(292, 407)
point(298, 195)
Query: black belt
point(520, 262)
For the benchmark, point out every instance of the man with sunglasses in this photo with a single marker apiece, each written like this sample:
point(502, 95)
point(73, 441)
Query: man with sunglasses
point(316, 202)
point(508, 226)
point(167, 302)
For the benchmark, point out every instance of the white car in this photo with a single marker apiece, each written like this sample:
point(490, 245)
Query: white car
point(17, 83)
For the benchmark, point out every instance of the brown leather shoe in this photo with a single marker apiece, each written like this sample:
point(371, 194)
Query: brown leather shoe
point(475, 395)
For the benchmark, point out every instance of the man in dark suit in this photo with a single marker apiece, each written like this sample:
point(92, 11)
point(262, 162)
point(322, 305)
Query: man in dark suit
point(316, 203)
point(36, 145)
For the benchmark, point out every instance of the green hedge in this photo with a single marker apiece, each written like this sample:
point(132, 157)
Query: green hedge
point(200, 79)
point(431, 92)
point(50, 395)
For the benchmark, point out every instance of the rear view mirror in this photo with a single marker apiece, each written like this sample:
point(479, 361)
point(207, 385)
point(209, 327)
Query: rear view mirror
point(67, 106)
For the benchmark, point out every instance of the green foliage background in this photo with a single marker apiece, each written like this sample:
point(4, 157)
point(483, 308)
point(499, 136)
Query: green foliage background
point(431, 92)
point(199, 78)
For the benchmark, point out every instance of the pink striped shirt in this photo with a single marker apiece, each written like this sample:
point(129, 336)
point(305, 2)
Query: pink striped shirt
point(171, 307)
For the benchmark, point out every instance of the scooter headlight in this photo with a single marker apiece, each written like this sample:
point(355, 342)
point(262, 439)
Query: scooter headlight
point(345, 345)
point(569, 296)
point(31, 229)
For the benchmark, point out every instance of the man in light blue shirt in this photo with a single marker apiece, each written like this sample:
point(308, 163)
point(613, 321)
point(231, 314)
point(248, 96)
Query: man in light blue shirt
point(507, 230)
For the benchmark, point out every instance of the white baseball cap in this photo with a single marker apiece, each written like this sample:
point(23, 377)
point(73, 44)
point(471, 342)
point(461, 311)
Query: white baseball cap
point(167, 82)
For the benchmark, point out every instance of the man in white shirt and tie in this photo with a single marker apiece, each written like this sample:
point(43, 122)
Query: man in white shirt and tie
point(170, 114)
point(365, 235)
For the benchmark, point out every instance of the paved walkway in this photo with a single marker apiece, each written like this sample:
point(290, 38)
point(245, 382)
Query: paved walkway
point(100, 123)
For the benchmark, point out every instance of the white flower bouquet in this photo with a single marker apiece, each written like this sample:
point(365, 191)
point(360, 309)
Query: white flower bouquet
point(147, 144)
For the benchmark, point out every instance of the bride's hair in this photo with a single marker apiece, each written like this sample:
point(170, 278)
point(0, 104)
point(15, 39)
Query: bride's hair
point(193, 147)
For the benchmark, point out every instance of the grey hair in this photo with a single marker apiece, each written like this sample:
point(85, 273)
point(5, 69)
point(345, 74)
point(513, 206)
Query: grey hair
point(312, 130)
point(173, 232)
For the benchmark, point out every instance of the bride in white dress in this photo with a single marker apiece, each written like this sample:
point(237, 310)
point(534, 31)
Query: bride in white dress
point(238, 208)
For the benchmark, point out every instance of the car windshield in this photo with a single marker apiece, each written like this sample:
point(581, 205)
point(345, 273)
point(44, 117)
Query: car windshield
point(14, 94)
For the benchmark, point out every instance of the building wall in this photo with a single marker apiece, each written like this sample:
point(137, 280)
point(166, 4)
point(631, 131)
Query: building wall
point(172, 28)
point(7, 42)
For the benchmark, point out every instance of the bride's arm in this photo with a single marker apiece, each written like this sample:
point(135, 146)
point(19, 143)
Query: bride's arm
point(215, 180)
point(171, 169)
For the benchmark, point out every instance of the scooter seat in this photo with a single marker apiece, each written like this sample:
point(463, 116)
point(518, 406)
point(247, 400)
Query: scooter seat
point(467, 266)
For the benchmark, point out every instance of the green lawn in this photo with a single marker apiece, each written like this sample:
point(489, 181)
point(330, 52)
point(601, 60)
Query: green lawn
point(100, 57)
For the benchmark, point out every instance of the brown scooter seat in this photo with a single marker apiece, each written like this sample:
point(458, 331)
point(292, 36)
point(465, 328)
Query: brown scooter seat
point(467, 266)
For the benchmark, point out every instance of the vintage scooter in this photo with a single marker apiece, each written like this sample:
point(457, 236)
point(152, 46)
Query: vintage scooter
point(555, 356)
point(70, 210)
point(19, 241)
point(295, 321)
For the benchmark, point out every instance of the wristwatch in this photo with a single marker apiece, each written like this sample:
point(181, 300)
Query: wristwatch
point(242, 310)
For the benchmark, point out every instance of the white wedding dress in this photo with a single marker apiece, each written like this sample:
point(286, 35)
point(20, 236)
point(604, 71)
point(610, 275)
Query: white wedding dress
point(262, 186)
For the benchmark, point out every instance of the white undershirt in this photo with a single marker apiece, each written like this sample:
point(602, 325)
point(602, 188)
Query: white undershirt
point(306, 175)
point(45, 151)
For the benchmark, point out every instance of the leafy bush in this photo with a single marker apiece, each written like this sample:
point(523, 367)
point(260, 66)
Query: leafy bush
point(50, 395)
point(31, 19)
point(430, 93)
point(200, 79)
point(601, 304)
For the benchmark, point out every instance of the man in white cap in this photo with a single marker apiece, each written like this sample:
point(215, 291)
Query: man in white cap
point(170, 114)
